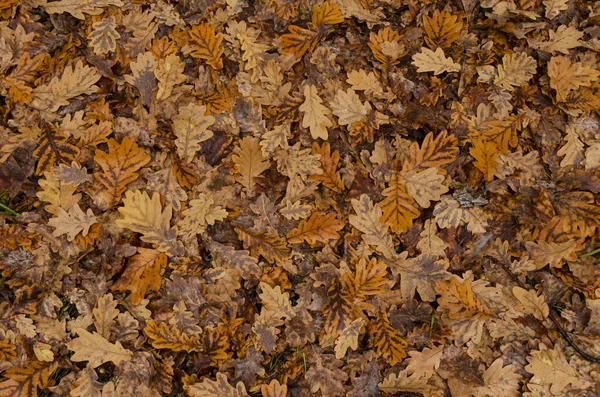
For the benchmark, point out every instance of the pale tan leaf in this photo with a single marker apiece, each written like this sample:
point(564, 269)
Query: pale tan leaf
point(347, 106)
point(348, 338)
point(275, 301)
point(425, 186)
point(169, 73)
point(531, 303)
point(562, 40)
point(104, 36)
point(249, 162)
point(72, 222)
point(425, 362)
point(190, 126)
point(430, 243)
point(500, 381)
point(516, 70)
point(97, 350)
point(216, 388)
point(554, 254)
point(78, 7)
point(367, 221)
point(554, 7)
point(142, 75)
point(104, 314)
point(550, 367)
point(201, 213)
point(273, 389)
point(436, 62)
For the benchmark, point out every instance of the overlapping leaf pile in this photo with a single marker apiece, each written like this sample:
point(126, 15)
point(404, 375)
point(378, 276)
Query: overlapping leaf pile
point(299, 197)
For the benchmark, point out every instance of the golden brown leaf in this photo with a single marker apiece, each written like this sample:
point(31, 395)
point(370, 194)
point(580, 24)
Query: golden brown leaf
point(387, 340)
point(142, 273)
point(319, 228)
point(167, 336)
point(207, 45)
point(442, 28)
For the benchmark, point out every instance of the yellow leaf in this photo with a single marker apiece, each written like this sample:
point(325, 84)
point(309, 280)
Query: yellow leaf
point(142, 273)
point(104, 36)
point(329, 163)
point(566, 76)
point(319, 228)
point(436, 62)
point(207, 45)
point(298, 41)
point(387, 340)
point(370, 279)
point(93, 348)
point(273, 389)
point(315, 114)
point(434, 152)
point(190, 126)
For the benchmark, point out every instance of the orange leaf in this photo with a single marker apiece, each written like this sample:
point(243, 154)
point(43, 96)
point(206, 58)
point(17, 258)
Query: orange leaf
point(142, 272)
point(319, 228)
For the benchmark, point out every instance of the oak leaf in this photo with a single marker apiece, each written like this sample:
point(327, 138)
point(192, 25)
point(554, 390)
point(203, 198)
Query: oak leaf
point(554, 7)
point(367, 221)
point(208, 45)
point(315, 114)
point(24, 382)
point(120, 166)
point(75, 80)
point(370, 278)
point(531, 303)
point(53, 147)
point(72, 222)
point(78, 7)
point(273, 389)
point(142, 273)
point(167, 336)
point(104, 36)
point(387, 340)
point(426, 362)
point(429, 242)
point(516, 70)
point(95, 349)
point(550, 367)
point(104, 314)
point(485, 154)
point(348, 338)
point(403, 382)
point(142, 75)
point(276, 301)
point(329, 163)
point(142, 214)
point(499, 380)
point(386, 46)
point(420, 275)
point(216, 388)
point(272, 247)
point(319, 228)
point(563, 39)
point(249, 162)
point(190, 126)
point(202, 212)
point(434, 152)
point(442, 28)
point(298, 41)
point(551, 253)
point(397, 206)
point(424, 186)
point(566, 76)
point(434, 61)
point(347, 106)
point(328, 13)
point(169, 73)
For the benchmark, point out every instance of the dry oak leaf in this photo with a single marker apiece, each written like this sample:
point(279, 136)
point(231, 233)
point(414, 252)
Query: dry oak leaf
point(330, 177)
point(328, 379)
point(319, 228)
point(370, 278)
point(142, 273)
point(348, 108)
point(386, 46)
point(142, 75)
point(201, 212)
point(566, 76)
point(207, 45)
point(429, 243)
point(273, 389)
point(328, 13)
point(190, 127)
point(249, 162)
point(119, 166)
point(97, 350)
point(240, 260)
point(403, 382)
point(499, 381)
point(434, 152)
point(276, 301)
point(387, 340)
point(485, 154)
point(420, 274)
point(24, 382)
point(398, 207)
point(104, 36)
point(167, 336)
point(272, 247)
point(562, 40)
point(458, 299)
point(145, 215)
point(58, 194)
point(315, 114)
point(74, 81)
point(424, 186)
point(531, 303)
point(348, 338)
point(426, 362)
point(52, 148)
point(554, 254)
point(442, 28)
point(501, 132)
point(216, 388)
point(367, 221)
point(550, 367)
point(169, 73)
point(78, 7)
point(516, 70)
point(72, 222)
point(298, 41)
point(104, 315)
point(554, 7)
point(436, 62)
